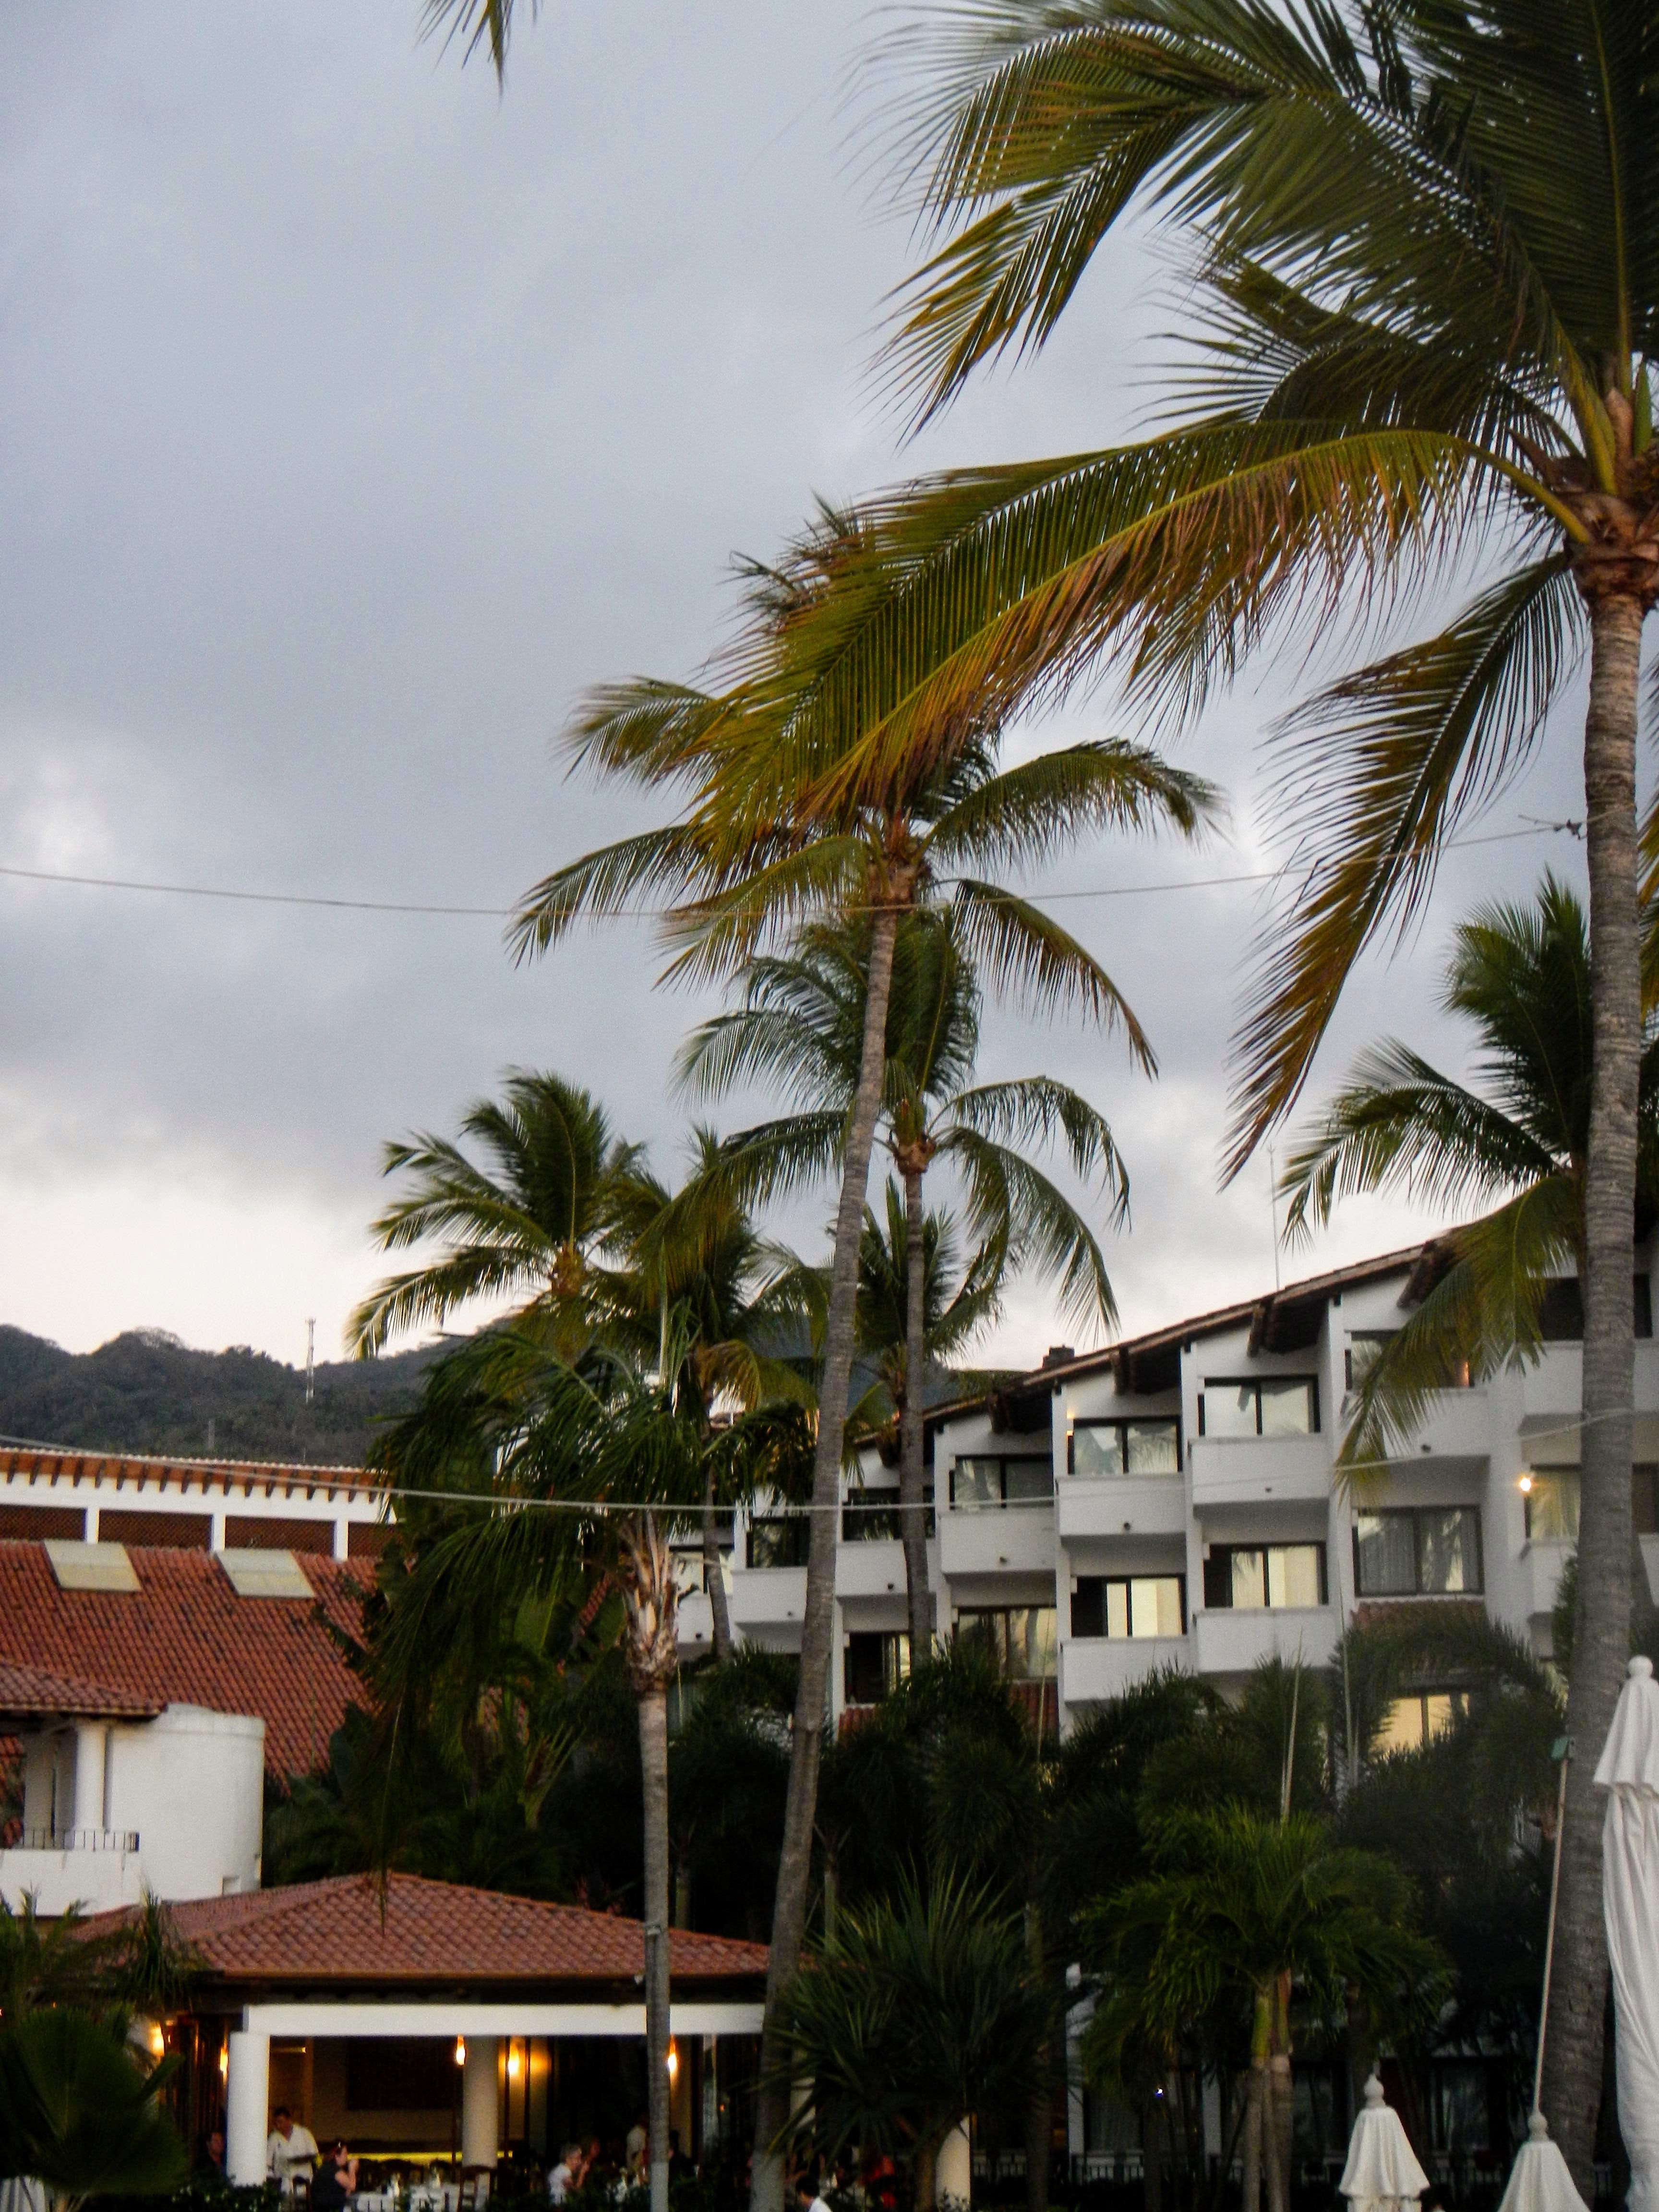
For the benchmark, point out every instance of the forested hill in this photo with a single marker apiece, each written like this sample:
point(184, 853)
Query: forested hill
point(145, 1392)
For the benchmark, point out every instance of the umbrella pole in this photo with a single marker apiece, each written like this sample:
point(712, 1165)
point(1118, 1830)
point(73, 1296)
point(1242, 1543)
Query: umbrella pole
point(1549, 1939)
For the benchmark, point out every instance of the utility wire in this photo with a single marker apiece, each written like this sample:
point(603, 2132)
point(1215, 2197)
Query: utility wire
point(656, 914)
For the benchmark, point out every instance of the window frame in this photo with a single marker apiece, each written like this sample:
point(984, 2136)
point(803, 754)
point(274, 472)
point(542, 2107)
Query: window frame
point(1123, 1422)
point(894, 1646)
point(1105, 1582)
point(1316, 1544)
point(797, 1523)
point(1415, 1514)
point(972, 1613)
point(1257, 1383)
point(1004, 1460)
point(872, 1516)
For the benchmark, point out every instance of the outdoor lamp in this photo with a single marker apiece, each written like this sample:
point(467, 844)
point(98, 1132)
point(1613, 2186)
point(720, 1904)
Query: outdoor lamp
point(1525, 1485)
point(513, 2062)
point(224, 2060)
point(460, 2051)
point(673, 2059)
point(158, 2042)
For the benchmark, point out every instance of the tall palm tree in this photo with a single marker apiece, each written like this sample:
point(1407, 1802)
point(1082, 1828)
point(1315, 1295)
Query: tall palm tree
point(770, 833)
point(1239, 1910)
point(582, 1477)
point(526, 1224)
point(800, 1027)
point(1425, 262)
point(1517, 1145)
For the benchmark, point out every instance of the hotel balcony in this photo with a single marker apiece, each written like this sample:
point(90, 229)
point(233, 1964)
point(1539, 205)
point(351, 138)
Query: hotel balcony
point(1093, 1667)
point(97, 1867)
point(768, 1597)
point(996, 1540)
point(1258, 1470)
point(1113, 1505)
point(1233, 1640)
point(869, 1569)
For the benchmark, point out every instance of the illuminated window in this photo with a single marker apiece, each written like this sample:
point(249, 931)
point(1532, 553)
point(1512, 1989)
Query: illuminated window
point(1129, 1606)
point(1412, 1721)
point(1254, 1577)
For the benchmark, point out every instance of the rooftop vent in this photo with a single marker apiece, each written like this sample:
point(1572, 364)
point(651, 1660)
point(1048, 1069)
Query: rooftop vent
point(264, 1574)
point(90, 1566)
point(1057, 1355)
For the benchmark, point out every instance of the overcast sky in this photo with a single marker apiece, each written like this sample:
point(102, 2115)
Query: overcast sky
point(352, 421)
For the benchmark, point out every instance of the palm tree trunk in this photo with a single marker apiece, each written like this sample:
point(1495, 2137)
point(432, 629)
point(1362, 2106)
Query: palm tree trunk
point(1039, 2110)
point(913, 1523)
point(653, 1771)
point(1254, 2103)
point(817, 1624)
point(712, 1580)
point(1573, 2079)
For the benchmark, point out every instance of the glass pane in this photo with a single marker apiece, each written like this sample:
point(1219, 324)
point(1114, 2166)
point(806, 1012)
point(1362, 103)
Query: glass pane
point(1117, 1609)
point(1461, 2109)
point(1030, 1646)
point(1024, 1479)
point(975, 1485)
point(1387, 1554)
point(1152, 1447)
point(870, 1517)
point(1157, 1605)
point(1230, 1409)
point(1287, 1409)
point(1249, 1587)
point(780, 1543)
point(1088, 1603)
point(1293, 1574)
point(1402, 1728)
point(1097, 1448)
point(985, 1634)
point(1552, 1509)
point(1449, 1550)
point(895, 1659)
point(1363, 1348)
point(1440, 1708)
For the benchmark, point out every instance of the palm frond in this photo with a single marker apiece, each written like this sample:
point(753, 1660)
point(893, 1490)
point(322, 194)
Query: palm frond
point(1024, 953)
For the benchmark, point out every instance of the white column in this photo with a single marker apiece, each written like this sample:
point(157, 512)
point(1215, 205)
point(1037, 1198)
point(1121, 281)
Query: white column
point(480, 2100)
point(87, 1811)
point(954, 2178)
point(247, 2098)
point(343, 1538)
point(217, 1530)
point(90, 1526)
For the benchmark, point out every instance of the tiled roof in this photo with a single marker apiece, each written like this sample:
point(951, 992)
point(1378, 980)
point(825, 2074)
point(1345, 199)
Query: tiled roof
point(29, 1690)
point(62, 1462)
point(336, 1931)
point(185, 1637)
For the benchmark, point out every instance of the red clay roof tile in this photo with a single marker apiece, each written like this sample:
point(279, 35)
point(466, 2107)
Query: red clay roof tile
point(184, 1637)
point(31, 1690)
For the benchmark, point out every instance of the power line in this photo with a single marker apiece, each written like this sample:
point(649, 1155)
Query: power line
point(655, 914)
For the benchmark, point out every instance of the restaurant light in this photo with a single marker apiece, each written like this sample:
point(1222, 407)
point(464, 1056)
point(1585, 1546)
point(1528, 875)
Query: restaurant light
point(460, 2051)
point(513, 2062)
point(1525, 1485)
point(158, 2042)
point(224, 2060)
point(673, 2059)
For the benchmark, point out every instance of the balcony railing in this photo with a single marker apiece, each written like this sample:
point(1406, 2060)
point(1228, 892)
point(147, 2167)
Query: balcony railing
point(75, 1839)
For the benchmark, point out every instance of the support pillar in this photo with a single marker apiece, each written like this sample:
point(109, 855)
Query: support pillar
point(480, 2100)
point(91, 1741)
point(954, 2175)
point(247, 2098)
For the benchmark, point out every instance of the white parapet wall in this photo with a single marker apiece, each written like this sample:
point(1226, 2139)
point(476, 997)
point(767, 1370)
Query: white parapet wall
point(111, 1809)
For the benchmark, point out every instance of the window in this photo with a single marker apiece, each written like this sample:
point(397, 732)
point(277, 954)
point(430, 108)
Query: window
point(781, 1541)
point(1252, 1576)
point(1021, 1638)
point(986, 1484)
point(1561, 1316)
point(1415, 1721)
point(876, 1662)
point(1134, 1448)
point(1551, 1494)
point(1361, 1356)
point(1286, 1405)
point(872, 1517)
point(1462, 2108)
point(1433, 1551)
point(1129, 1605)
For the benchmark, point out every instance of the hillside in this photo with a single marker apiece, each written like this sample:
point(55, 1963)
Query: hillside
point(145, 1392)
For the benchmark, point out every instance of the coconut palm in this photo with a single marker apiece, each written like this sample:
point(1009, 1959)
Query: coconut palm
point(79, 2114)
point(1241, 1912)
point(526, 1224)
point(584, 1476)
point(800, 1028)
point(1516, 1144)
point(957, 1301)
point(770, 833)
point(1425, 264)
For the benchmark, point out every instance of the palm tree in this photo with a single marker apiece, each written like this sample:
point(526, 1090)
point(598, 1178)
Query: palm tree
point(1425, 268)
point(955, 1302)
point(526, 1224)
point(1517, 1145)
point(800, 1027)
point(770, 833)
point(914, 2015)
point(1239, 1910)
point(585, 1475)
point(78, 2114)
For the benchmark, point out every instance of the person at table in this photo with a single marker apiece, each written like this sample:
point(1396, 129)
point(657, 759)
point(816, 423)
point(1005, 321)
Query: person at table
point(337, 2179)
point(290, 2151)
point(565, 2175)
point(210, 2158)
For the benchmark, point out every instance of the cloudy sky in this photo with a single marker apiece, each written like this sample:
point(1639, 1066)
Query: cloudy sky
point(352, 420)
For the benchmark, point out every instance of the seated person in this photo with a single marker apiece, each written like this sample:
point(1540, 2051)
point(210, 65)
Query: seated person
point(337, 2179)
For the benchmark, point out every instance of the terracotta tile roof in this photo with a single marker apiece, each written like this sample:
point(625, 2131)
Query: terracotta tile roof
point(55, 1463)
point(320, 1932)
point(184, 1637)
point(29, 1690)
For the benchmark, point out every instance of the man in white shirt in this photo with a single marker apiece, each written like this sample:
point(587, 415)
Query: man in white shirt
point(563, 2175)
point(290, 2151)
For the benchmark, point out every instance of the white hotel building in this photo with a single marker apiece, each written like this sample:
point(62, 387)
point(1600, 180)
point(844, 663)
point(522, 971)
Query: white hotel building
point(1169, 1500)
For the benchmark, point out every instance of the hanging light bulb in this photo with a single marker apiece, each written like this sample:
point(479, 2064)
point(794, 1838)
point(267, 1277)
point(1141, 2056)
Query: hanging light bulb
point(1525, 1485)
point(460, 2051)
point(673, 2060)
point(513, 2062)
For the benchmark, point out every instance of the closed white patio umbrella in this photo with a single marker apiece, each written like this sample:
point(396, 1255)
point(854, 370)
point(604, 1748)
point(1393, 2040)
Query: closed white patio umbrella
point(1629, 1772)
point(1381, 2174)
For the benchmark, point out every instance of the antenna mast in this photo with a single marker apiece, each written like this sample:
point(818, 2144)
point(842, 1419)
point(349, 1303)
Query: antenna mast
point(310, 1359)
